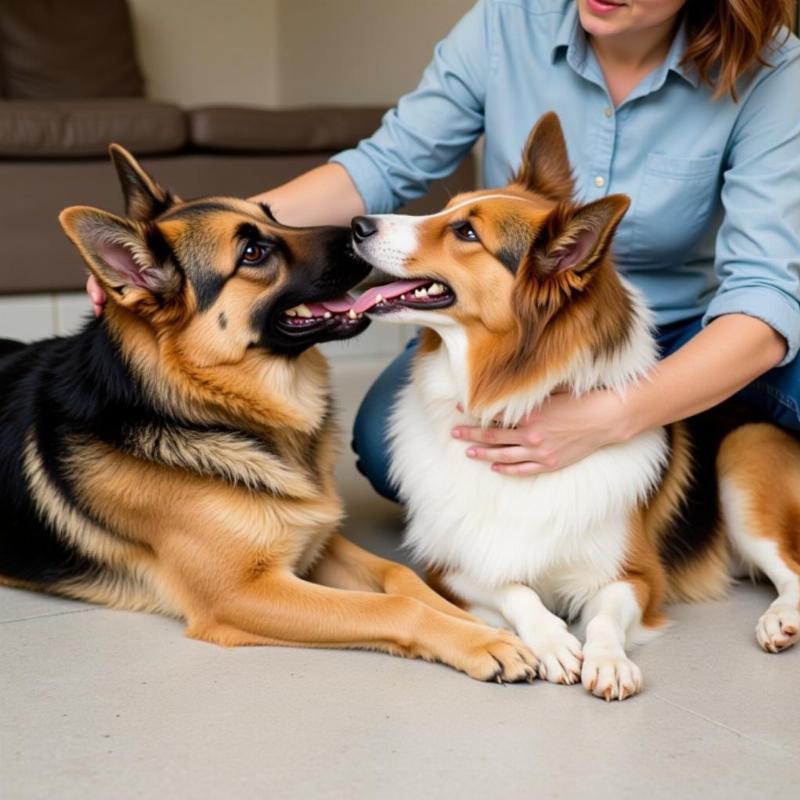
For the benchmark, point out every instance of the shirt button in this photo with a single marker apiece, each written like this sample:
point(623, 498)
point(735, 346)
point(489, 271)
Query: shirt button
point(599, 181)
point(608, 112)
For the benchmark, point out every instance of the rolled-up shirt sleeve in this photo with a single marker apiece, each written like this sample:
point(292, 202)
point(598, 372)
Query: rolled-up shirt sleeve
point(757, 257)
point(432, 128)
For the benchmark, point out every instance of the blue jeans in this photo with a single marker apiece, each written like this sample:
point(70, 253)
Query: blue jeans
point(776, 394)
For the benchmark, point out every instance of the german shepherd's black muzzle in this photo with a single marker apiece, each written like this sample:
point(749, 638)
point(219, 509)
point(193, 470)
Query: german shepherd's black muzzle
point(318, 285)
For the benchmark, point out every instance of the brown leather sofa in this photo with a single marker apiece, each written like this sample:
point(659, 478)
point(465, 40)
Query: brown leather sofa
point(70, 84)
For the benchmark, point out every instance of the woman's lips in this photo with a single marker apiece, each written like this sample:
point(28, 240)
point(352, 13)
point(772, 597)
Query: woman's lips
point(603, 6)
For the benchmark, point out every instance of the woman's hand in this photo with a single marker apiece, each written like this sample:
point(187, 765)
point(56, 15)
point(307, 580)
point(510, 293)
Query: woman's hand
point(97, 295)
point(725, 356)
point(564, 430)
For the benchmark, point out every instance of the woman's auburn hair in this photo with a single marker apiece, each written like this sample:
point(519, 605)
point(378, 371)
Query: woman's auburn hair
point(727, 39)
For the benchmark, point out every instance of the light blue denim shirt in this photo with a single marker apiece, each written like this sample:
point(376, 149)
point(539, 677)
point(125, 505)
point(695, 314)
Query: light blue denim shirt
point(714, 225)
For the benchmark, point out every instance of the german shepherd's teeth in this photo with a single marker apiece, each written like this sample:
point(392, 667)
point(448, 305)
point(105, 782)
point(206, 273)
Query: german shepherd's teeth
point(302, 313)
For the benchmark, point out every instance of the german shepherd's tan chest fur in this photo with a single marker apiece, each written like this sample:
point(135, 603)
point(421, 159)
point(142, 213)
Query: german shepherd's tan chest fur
point(245, 528)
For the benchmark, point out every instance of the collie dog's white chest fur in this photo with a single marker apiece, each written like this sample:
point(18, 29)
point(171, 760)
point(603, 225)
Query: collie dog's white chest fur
point(564, 534)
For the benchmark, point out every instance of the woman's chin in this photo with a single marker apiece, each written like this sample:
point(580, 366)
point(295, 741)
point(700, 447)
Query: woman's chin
point(602, 24)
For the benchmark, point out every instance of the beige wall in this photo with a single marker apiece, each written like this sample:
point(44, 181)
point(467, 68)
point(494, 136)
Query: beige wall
point(208, 51)
point(288, 52)
point(358, 51)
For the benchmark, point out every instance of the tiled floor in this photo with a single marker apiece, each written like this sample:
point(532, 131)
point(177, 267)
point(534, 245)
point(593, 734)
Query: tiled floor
point(104, 704)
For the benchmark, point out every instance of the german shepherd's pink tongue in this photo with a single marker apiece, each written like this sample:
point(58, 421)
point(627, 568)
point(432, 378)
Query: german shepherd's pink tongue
point(339, 305)
point(371, 297)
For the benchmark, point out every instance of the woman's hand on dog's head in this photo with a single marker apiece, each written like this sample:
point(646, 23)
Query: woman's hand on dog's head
point(96, 294)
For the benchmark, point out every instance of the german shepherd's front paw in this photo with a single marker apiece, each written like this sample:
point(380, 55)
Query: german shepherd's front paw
point(495, 655)
point(609, 674)
point(779, 628)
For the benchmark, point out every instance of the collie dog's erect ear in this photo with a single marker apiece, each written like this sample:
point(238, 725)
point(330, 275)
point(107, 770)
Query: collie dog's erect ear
point(144, 198)
point(545, 166)
point(575, 238)
point(129, 259)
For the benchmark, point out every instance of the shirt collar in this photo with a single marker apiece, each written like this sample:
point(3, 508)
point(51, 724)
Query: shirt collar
point(676, 51)
point(571, 37)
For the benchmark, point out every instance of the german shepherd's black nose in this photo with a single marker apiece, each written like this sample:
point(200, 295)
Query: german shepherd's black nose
point(364, 227)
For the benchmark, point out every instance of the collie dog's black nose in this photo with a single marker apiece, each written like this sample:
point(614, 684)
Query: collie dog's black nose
point(364, 227)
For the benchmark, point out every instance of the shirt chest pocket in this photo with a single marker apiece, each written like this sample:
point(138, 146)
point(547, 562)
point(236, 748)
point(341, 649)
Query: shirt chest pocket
point(673, 208)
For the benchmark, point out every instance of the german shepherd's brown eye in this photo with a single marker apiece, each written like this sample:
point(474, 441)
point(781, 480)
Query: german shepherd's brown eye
point(464, 231)
point(255, 254)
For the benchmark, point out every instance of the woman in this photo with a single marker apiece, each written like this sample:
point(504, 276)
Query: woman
point(689, 108)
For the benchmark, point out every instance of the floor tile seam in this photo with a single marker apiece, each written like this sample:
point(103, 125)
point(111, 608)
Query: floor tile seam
point(45, 616)
point(720, 724)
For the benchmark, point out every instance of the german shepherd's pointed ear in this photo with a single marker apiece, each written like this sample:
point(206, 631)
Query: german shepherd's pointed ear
point(573, 239)
point(129, 259)
point(545, 168)
point(144, 198)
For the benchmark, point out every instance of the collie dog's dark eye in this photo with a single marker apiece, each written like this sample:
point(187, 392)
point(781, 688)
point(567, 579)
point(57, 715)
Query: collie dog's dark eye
point(255, 254)
point(465, 232)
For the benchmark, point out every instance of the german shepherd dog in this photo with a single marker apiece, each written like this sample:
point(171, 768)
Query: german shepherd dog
point(176, 455)
point(519, 296)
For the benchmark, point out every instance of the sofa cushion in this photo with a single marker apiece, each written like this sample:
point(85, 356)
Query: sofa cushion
point(67, 49)
point(237, 129)
point(85, 128)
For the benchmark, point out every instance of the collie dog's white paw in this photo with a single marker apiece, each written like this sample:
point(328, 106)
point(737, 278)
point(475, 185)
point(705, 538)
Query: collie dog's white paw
point(558, 653)
point(779, 628)
point(609, 674)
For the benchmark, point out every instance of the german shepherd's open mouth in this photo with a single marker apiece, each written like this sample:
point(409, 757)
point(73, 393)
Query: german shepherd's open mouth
point(321, 320)
point(318, 308)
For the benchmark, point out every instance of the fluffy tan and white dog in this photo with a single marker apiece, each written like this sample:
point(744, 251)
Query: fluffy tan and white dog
point(519, 297)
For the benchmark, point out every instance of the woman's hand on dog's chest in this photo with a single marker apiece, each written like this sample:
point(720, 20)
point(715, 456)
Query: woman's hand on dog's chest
point(563, 431)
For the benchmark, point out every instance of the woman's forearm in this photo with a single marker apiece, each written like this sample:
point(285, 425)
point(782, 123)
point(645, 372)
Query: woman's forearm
point(732, 351)
point(325, 195)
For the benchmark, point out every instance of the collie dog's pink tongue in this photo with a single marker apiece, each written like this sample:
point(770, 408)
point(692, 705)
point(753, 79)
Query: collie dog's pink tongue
point(387, 292)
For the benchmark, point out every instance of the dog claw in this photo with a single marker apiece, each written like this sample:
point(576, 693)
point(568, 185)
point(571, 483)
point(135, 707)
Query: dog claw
point(611, 676)
point(778, 628)
point(558, 652)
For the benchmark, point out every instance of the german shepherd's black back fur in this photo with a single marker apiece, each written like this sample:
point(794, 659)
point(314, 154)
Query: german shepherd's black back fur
point(76, 386)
